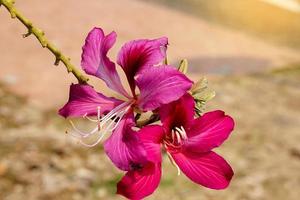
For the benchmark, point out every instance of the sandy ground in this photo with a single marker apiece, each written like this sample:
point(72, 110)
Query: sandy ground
point(210, 48)
point(38, 161)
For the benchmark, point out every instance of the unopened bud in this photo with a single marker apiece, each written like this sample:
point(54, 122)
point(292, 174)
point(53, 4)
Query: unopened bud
point(183, 66)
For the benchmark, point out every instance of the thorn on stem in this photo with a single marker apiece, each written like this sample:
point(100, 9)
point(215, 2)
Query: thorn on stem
point(26, 34)
point(57, 60)
point(13, 14)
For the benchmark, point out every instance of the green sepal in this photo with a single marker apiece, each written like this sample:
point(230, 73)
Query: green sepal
point(183, 66)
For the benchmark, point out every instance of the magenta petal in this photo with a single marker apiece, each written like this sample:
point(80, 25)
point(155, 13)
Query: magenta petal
point(95, 61)
point(178, 113)
point(161, 85)
point(140, 54)
point(84, 100)
point(208, 169)
point(209, 131)
point(123, 147)
point(152, 136)
point(138, 184)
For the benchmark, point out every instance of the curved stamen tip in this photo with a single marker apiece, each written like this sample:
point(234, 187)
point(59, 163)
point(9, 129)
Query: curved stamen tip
point(104, 124)
point(174, 163)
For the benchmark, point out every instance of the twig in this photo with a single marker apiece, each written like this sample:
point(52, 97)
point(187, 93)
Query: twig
point(40, 35)
point(153, 118)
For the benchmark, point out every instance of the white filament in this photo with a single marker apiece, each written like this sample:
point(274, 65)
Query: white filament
point(174, 163)
point(179, 134)
point(105, 124)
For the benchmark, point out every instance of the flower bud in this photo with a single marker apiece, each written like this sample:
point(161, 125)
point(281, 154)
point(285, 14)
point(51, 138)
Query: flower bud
point(183, 66)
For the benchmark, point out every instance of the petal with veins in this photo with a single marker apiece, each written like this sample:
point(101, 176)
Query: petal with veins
point(152, 136)
point(137, 55)
point(137, 184)
point(84, 100)
point(123, 147)
point(95, 61)
point(178, 113)
point(207, 169)
point(161, 85)
point(209, 131)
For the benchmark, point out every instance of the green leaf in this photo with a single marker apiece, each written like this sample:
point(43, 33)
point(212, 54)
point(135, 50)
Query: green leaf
point(201, 94)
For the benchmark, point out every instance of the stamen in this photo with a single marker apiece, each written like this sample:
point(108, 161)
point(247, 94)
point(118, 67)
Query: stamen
point(174, 163)
point(104, 125)
point(115, 110)
point(178, 137)
point(98, 113)
point(88, 118)
point(182, 132)
point(173, 136)
point(104, 132)
point(119, 119)
point(81, 133)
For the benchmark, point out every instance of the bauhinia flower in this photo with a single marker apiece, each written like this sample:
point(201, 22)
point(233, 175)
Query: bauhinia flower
point(188, 143)
point(158, 84)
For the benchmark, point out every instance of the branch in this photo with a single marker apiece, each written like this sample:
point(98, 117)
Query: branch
point(153, 118)
point(40, 35)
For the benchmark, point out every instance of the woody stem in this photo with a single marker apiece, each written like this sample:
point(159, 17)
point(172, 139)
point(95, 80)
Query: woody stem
point(40, 35)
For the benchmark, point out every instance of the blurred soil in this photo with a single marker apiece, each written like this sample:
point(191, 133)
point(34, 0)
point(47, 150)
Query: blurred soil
point(39, 161)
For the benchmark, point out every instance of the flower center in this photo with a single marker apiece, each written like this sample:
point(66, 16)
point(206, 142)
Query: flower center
point(175, 138)
point(104, 124)
point(173, 142)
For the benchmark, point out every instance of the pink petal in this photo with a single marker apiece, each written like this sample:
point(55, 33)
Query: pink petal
point(161, 85)
point(140, 183)
point(209, 131)
point(95, 61)
point(140, 54)
point(152, 136)
point(178, 113)
point(208, 169)
point(84, 100)
point(123, 147)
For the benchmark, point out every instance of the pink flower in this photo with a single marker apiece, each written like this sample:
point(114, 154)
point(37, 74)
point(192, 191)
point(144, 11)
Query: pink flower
point(157, 85)
point(188, 143)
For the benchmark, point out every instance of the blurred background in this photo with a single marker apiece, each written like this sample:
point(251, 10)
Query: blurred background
point(249, 51)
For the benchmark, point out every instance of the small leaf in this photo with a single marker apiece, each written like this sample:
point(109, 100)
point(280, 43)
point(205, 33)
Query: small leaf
point(205, 95)
point(201, 94)
point(183, 66)
point(199, 86)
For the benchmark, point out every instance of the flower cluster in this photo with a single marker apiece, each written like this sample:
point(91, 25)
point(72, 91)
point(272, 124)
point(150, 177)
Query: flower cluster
point(167, 93)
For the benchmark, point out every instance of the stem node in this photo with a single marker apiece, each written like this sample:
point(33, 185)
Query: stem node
point(57, 60)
